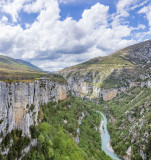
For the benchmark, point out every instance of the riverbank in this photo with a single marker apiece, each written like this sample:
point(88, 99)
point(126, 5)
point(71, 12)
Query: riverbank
point(105, 138)
point(108, 147)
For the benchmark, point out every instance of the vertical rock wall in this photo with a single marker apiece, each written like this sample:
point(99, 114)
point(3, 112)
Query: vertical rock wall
point(20, 102)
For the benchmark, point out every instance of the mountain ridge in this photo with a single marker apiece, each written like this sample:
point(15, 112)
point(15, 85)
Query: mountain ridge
point(16, 69)
point(29, 64)
point(109, 75)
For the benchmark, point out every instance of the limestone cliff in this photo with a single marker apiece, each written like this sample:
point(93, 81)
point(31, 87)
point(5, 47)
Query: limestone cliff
point(20, 102)
point(81, 88)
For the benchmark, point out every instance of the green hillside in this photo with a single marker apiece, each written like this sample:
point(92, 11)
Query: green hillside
point(115, 70)
point(129, 117)
point(129, 113)
point(17, 70)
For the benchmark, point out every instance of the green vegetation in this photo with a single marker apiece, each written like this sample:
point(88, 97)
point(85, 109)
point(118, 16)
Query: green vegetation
point(103, 62)
point(32, 107)
point(16, 143)
point(20, 71)
point(13, 74)
point(55, 137)
point(57, 78)
point(1, 121)
point(56, 132)
point(89, 137)
point(129, 118)
point(53, 143)
point(12, 69)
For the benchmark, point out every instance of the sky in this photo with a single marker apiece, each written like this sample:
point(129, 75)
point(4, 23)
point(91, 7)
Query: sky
point(55, 34)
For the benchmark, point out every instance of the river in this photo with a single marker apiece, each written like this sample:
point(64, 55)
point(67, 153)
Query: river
point(105, 138)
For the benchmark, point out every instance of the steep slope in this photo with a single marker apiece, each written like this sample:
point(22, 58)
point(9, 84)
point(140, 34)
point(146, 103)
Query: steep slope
point(129, 116)
point(139, 53)
point(129, 113)
point(17, 69)
point(105, 77)
point(55, 136)
point(20, 109)
point(64, 117)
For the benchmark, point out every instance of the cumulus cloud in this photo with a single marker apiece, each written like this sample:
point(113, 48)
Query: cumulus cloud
point(53, 44)
point(95, 17)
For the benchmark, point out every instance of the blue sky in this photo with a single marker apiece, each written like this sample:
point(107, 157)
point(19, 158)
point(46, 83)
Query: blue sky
point(75, 9)
point(56, 34)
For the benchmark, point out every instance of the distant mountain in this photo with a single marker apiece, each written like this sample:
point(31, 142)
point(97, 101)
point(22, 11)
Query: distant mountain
point(29, 64)
point(18, 69)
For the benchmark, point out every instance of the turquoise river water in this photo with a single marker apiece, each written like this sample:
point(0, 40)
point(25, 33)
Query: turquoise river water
point(105, 138)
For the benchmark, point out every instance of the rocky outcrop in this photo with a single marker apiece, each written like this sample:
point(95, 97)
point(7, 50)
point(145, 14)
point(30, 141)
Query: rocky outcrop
point(80, 88)
point(139, 53)
point(20, 102)
point(78, 129)
point(110, 95)
point(146, 84)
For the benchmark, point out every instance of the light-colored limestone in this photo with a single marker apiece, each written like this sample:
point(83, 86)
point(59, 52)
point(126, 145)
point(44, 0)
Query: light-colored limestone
point(16, 100)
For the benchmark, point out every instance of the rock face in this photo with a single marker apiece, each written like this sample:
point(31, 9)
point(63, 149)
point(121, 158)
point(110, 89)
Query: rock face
point(78, 129)
point(110, 95)
point(81, 88)
point(20, 102)
point(139, 53)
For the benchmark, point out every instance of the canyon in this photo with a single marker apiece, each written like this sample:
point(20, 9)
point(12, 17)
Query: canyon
point(102, 80)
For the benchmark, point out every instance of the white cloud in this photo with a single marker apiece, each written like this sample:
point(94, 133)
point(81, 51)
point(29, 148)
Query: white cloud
point(122, 7)
point(4, 19)
point(36, 6)
point(13, 7)
point(53, 44)
point(139, 5)
point(140, 26)
point(94, 17)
